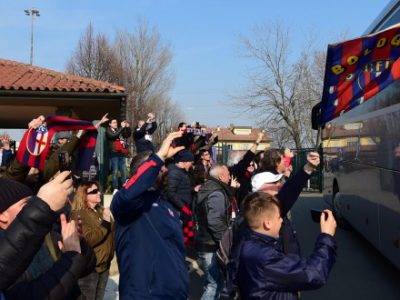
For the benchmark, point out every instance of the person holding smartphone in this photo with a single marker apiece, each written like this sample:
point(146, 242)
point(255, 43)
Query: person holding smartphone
point(265, 270)
point(117, 141)
point(98, 231)
point(143, 134)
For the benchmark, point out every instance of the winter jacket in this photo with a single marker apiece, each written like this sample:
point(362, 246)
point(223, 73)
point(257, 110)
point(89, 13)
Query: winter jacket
point(50, 277)
point(149, 239)
point(266, 272)
point(111, 135)
point(139, 135)
point(179, 188)
point(239, 171)
point(22, 239)
point(213, 214)
point(99, 234)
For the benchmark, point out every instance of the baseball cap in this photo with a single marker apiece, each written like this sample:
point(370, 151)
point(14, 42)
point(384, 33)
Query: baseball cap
point(265, 177)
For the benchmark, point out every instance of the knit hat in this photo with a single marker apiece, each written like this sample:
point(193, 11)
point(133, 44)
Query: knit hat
point(184, 156)
point(258, 180)
point(11, 192)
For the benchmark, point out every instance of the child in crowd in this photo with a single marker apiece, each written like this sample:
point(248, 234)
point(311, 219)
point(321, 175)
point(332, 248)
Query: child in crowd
point(265, 271)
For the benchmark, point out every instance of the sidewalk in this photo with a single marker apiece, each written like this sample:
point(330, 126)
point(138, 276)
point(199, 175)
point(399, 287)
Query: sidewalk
point(112, 288)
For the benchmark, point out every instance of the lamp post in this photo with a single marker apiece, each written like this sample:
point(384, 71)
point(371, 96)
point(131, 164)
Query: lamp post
point(32, 12)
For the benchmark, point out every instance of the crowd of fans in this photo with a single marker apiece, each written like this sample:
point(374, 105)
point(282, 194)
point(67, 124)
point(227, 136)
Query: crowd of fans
point(58, 241)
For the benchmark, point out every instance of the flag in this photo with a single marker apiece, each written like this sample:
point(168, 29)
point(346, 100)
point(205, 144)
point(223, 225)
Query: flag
point(35, 143)
point(358, 69)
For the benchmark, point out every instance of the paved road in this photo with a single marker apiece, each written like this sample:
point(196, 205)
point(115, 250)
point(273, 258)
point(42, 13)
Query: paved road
point(360, 272)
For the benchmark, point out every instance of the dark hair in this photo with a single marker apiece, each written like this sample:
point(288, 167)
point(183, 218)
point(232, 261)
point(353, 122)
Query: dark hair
point(180, 125)
point(138, 159)
point(272, 158)
point(257, 203)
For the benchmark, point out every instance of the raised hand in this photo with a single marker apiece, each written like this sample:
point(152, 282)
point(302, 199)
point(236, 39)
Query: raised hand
point(260, 137)
point(35, 123)
point(328, 225)
point(70, 236)
point(234, 183)
point(313, 161)
point(166, 150)
point(55, 193)
point(103, 120)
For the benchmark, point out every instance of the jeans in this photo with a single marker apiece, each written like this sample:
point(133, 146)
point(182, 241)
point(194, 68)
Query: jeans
point(118, 163)
point(213, 275)
point(93, 286)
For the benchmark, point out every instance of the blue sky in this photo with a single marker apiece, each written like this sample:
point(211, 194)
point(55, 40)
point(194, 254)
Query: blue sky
point(204, 36)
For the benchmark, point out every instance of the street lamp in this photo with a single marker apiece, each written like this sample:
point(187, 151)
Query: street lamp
point(32, 12)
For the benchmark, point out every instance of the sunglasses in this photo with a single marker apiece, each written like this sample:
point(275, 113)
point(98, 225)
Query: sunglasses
point(92, 192)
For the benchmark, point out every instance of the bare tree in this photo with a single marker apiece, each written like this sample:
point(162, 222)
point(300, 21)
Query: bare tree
point(95, 58)
point(168, 115)
point(281, 90)
point(146, 63)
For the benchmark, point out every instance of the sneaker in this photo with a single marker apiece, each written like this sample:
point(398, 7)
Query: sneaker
point(115, 191)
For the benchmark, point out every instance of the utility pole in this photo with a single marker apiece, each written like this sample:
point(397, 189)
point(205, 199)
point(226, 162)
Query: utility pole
point(32, 13)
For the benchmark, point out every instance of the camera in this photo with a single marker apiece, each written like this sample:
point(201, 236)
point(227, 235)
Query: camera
point(64, 161)
point(316, 213)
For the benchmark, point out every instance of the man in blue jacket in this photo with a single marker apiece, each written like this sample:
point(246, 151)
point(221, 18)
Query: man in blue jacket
point(149, 239)
point(265, 271)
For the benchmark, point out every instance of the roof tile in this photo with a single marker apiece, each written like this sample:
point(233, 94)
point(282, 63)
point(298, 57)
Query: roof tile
point(19, 76)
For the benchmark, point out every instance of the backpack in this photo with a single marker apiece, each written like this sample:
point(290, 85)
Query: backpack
point(227, 256)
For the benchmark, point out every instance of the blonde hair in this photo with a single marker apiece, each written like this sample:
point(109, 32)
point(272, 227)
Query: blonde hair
point(80, 198)
point(258, 204)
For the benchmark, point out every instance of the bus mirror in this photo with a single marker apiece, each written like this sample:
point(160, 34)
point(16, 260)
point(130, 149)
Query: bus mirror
point(316, 116)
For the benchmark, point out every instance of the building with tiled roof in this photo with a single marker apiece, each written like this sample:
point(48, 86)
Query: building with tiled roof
point(234, 141)
point(241, 137)
point(27, 91)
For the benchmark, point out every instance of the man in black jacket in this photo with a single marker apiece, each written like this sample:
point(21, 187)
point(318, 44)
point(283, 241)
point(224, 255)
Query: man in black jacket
point(24, 236)
point(213, 213)
point(143, 134)
point(180, 191)
point(244, 169)
point(49, 279)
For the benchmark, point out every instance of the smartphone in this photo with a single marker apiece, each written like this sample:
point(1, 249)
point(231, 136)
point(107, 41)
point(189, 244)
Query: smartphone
point(316, 213)
point(64, 161)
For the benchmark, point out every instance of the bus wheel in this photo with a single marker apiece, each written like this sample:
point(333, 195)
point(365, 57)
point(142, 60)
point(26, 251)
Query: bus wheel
point(337, 212)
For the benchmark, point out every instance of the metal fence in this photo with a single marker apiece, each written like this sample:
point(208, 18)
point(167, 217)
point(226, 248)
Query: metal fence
point(298, 162)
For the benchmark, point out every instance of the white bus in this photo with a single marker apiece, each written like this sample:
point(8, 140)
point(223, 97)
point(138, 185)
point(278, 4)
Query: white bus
point(361, 156)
